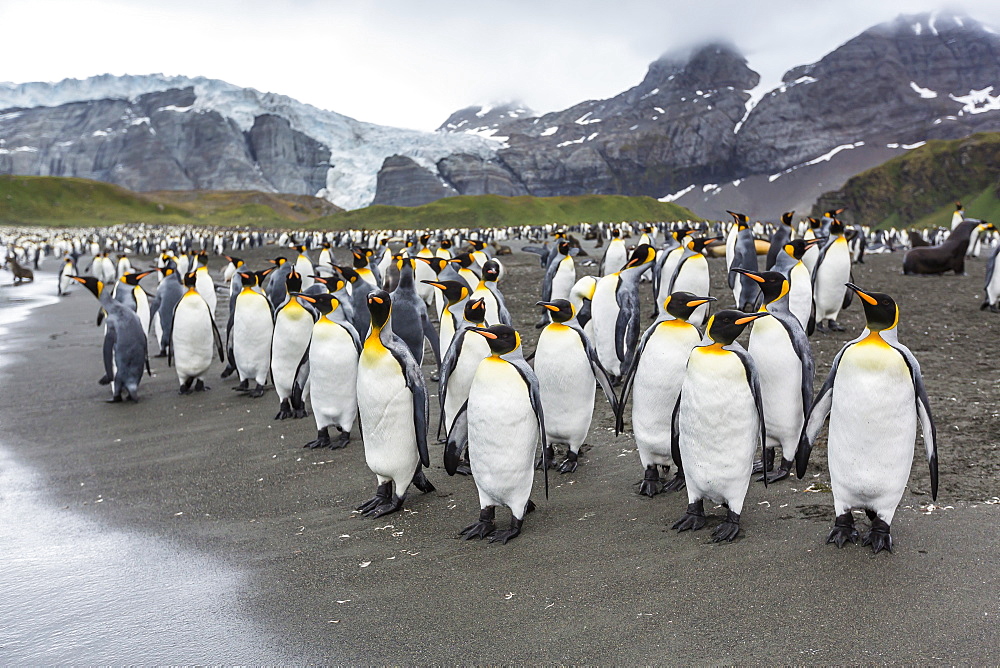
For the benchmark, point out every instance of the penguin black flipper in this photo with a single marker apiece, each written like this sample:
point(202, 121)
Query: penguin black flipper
point(626, 333)
point(535, 396)
point(811, 325)
point(451, 358)
point(800, 344)
point(432, 337)
point(502, 310)
point(927, 426)
point(675, 435)
point(110, 335)
point(458, 440)
point(101, 313)
point(753, 380)
point(218, 339)
point(599, 371)
point(848, 294)
point(629, 377)
point(421, 407)
point(821, 407)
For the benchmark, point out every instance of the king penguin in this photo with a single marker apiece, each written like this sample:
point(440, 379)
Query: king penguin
point(293, 325)
point(501, 425)
point(744, 257)
point(192, 337)
point(717, 424)
point(253, 326)
point(333, 372)
point(393, 406)
point(874, 397)
point(124, 347)
point(800, 291)
point(780, 350)
point(456, 294)
point(567, 366)
point(691, 275)
point(487, 290)
point(991, 290)
point(831, 273)
point(412, 324)
point(656, 376)
point(461, 360)
point(615, 313)
point(168, 293)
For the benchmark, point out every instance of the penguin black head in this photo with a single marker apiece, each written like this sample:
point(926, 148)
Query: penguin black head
point(236, 262)
point(424, 238)
point(836, 227)
point(742, 220)
point(404, 261)
point(454, 291)
point(248, 278)
point(332, 283)
point(95, 286)
point(348, 273)
point(190, 279)
point(202, 258)
point(786, 217)
point(616, 233)
point(563, 247)
point(278, 261)
point(379, 305)
point(293, 282)
point(833, 213)
point(561, 310)
point(475, 310)
point(881, 311)
point(360, 257)
point(682, 304)
point(133, 279)
point(464, 260)
point(814, 223)
point(772, 284)
point(798, 247)
point(726, 326)
point(436, 263)
point(502, 338)
point(446, 243)
point(300, 248)
point(642, 255)
point(477, 244)
point(491, 270)
point(698, 245)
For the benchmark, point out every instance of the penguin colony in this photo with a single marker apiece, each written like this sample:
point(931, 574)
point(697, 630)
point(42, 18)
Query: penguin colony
point(348, 340)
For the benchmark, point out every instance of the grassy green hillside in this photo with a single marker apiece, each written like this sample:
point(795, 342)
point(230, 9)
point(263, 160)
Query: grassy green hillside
point(493, 211)
point(919, 188)
point(43, 200)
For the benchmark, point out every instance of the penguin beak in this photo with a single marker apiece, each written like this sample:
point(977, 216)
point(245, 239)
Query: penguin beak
point(751, 318)
point(549, 305)
point(698, 302)
point(320, 279)
point(439, 286)
point(749, 274)
point(140, 276)
point(484, 332)
point(861, 293)
point(307, 298)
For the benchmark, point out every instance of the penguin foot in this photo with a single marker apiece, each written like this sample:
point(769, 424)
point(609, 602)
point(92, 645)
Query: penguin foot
point(200, 386)
point(728, 530)
point(676, 483)
point(768, 461)
point(381, 496)
point(185, 387)
point(568, 465)
point(513, 532)
point(482, 528)
point(299, 412)
point(879, 537)
point(820, 328)
point(421, 482)
point(464, 468)
point(843, 530)
point(117, 399)
point(783, 471)
point(548, 456)
point(651, 483)
point(693, 518)
point(322, 440)
point(342, 441)
point(162, 353)
point(836, 326)
point(387, 507)
point(244, 386)
point(104, 380)
point(227, 372)
point(257, 392)
point(284, 410)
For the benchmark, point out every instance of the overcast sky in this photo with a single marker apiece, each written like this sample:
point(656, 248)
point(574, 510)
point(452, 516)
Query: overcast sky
point(410, 63)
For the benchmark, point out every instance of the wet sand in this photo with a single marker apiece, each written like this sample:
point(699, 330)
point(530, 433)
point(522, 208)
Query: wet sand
point(596, 577)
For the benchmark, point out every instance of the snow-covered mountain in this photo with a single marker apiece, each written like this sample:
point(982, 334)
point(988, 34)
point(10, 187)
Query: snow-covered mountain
point(355, 150)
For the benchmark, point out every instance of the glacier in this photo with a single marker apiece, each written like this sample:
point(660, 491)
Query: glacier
point(357, 148)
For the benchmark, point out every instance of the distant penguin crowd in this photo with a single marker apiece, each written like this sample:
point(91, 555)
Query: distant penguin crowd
point(345, 338)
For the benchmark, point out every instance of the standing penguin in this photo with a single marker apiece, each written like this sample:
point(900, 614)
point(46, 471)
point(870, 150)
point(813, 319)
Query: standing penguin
point(304, 267)
point(800, 291)
point(66, 276)
point(130, 293)
point(615, 255)
point(168, 293)
point(125, 354)
point(780, 349)
point(456, 294)
point(615, 313)
point(333, 372)
point(874, 397)
point(658, 372)
point(496, 307)
point(744, 256)
point(831, 273)
point(412, 323)
point(691, 275)
point(392, 403)
point(205, 285)
point(500, 424)
point(253, 326)
point(991, 290)
point(360, 290)
point(567, 365)
point(564, 276)
point(461, 360)
point(781, 236)
point(192, 337)
point(293, 325)
point(717, 423)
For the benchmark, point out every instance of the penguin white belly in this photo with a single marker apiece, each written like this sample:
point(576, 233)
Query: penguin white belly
point(604, 322)
point(993, 287)
point(780, 372)
point(446, 330)
point(693, 278)
point(718, 428)
point(385, 405)
point(423, 272)
point(566, 385)
point(873, 425)
point(252, 330)
point(832, 273)
point(616, 257)
point(503, 433)
point(333, 376)
point(658, 379)
point(304, 267)
point(562, 282)
point(142, 308)
point(800, 294)
point(474, 350)
point(206, 288)
point(666, 272)
point(193, 340)
point(292, 331)
point(490, 302)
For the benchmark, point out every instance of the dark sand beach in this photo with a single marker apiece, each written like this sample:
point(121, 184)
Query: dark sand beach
point(196, 529)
